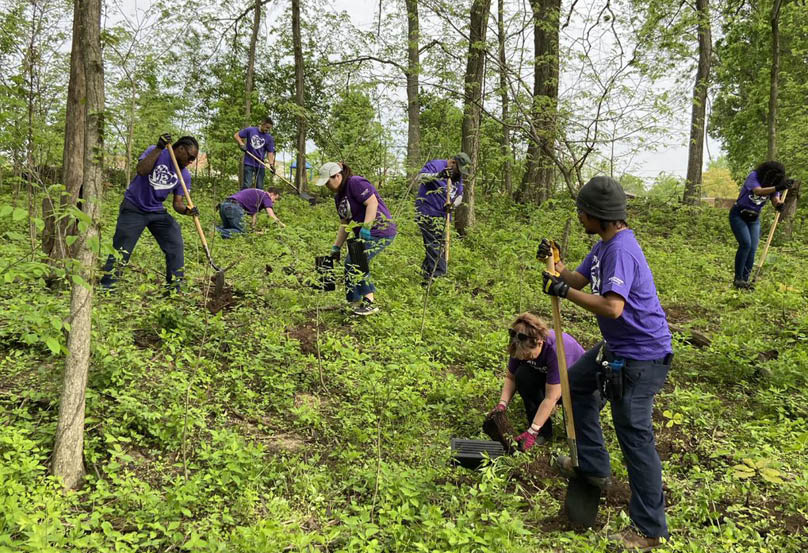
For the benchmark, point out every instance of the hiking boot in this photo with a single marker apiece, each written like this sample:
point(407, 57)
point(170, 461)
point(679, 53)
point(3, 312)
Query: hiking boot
point(563, 464)
point(742, 284)
point(366, 308)
point(632, 540)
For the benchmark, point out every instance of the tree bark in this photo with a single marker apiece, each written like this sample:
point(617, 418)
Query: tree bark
point(413, 100)
point(507, 167)
point(771, 153)
point(695, 154)
point(248, 89)
point(68, 458)
point(472, 107)
point(537, 182)
point(300, 99)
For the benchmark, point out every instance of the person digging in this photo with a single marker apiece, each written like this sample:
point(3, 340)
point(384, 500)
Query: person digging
point(249, 201)
point(142, 208)
point(434, 206)
point(533, 373)
point(358, 203)
point(260, 143)
point(631, 364)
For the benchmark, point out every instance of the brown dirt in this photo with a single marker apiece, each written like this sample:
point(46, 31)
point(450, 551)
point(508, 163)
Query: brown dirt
point(146, 338)
point(497, 427)
point(227, 300)
point(306, 334)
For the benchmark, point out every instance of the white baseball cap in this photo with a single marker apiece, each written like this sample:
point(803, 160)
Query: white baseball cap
point(327, 171)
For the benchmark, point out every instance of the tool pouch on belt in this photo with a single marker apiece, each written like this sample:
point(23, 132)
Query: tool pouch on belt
point(610, 374)
point(749, 215)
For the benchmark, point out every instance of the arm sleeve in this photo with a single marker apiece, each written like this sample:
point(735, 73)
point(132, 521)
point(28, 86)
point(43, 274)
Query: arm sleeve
point(186, 176)
point(146, 152)
point(585, 268)
point(360, 189)
point(243, 133)
point(617, 272)
point(270, 145)
point(513, 364)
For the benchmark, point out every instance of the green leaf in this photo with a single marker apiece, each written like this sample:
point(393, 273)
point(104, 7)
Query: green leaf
point(5, 210)
point(19, 214)
point(53, 345)
point(771, 475)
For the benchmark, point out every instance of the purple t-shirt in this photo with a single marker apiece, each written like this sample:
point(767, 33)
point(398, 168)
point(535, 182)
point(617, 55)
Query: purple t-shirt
point(350, 205)
point(547, 361)
point(748, 200)
point(148, 193)
point(253, 200)
point(619, 266)
point(258, 144)
point(432, 194)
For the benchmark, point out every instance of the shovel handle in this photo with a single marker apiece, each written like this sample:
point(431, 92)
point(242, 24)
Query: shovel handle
point(769, 240)
point(566, 398)
point(447, 231)
point(271, 170)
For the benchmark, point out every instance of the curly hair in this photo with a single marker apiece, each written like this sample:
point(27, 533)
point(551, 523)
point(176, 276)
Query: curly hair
point(533, 326)
point(770, 173)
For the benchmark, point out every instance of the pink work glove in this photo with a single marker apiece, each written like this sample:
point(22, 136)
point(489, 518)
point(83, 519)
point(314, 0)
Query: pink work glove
point(526, 440)
point(500, 407)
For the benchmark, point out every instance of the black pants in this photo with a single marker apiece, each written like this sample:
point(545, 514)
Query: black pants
point(432, 230)
point(530, 384)
point(165, 229)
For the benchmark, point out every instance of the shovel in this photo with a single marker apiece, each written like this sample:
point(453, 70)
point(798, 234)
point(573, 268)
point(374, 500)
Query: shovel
point(769, 240)
point(448, 230)
point(219, 272)
point(308, 197)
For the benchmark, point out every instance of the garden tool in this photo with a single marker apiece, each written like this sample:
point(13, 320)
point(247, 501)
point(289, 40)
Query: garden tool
point(219, 272)
point(448, 230)
point(769, 240)
point(309, 198)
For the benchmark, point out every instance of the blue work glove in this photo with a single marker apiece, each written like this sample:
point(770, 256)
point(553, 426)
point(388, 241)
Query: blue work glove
point(335, 252)
point(554, 286)
point(364, 234)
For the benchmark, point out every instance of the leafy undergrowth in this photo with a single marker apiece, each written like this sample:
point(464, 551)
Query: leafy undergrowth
point(268, 419)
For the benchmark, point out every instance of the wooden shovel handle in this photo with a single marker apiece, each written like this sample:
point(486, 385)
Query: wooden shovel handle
point(769, 240)
point(447, 231)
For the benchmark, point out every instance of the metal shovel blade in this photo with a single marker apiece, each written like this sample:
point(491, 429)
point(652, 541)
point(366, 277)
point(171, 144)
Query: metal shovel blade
point(219, 287)
point(581, 502)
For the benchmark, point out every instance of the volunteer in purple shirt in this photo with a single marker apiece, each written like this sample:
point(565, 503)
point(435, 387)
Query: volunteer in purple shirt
point(637, 352)
point(358, 202)
point(767, 181)
point(249, 201)
point(142, 208)
point(432, 208)
point(258, 142)
point(533, 372)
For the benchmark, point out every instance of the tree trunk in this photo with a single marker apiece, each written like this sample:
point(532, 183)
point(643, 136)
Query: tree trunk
point(472, 107)
point(248, 89)
point(537, 182)
point(300, 99)
point(789, 210)
point(771, 153)
point(695, 154)
point(68, 458)
point(505, 147)
point(413, 100)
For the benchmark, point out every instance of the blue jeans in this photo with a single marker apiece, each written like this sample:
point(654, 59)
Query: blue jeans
point(131, 224)
point(748, 235)
point(432, 230)
point(635, 433)
point(232, 215)
point(359, 286)
point(253, 173)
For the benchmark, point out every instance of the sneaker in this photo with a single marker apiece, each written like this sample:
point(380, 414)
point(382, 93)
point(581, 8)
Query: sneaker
point(366, 308)
point(563, 464)
point(632, 540)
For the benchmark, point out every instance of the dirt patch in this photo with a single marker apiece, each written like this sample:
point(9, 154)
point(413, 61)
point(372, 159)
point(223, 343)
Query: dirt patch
point(288, 442)
point(146, 338)
point(497, 426)
point(228, 299)
point(306, 334)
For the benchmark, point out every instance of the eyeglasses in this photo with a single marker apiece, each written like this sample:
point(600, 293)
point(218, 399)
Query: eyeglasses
point(522, 337)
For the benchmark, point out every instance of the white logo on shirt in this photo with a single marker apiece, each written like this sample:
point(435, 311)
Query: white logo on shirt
point(344, 209)
point(594, 275)
point(162, 178)
point(365, 192)
point(616, 281)
point(757, 200)
point(257, 142)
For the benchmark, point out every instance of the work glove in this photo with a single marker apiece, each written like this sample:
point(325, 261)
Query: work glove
point(163, 140)
point(242, 147)
point(364, 234)
point(500, 408)
point(548, 248)
point(554, 286)
point(784, 185)
point(780, 207)
point(272, 169)
point(526, 440)
point(335, 252)
point(445, 174)
point(448, 207)
point(192, 211)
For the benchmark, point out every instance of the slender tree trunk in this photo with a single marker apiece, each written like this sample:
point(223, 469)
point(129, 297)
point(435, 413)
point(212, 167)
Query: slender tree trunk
point(507, 167)
point(771, 153)
point(695, 155)
point(251, 63)
point(472, 107)
point(413, 100)
point(130, 135)
point(68, 458)
point(300, 98)
point(31, 169)
point(537, 182)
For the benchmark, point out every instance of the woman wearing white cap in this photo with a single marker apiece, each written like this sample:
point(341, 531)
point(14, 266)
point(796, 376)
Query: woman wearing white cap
point(358, 202)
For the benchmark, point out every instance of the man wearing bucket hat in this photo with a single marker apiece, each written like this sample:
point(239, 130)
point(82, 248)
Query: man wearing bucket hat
point(432, 208)
point(630, 365)
point(358, 202)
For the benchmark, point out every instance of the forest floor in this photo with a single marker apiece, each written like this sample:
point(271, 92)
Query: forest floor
point(270, 419)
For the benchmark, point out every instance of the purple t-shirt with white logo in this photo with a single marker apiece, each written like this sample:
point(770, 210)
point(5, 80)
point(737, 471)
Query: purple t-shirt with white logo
point(619, 266)
point(547, 361)
point(148, 193)
point(432, 194)
point(258, 144)
point(253, 200)
point(747, 199)
point(350, 205)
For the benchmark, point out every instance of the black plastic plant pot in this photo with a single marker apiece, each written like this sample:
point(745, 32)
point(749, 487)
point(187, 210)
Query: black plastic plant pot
point(359, 257)
point(326, 280)
point(470, 453)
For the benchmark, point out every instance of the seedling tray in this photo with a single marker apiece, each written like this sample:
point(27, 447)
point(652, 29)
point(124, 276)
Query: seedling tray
point(469, 453)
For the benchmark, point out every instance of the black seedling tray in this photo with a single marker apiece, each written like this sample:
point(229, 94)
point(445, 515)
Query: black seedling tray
point(469, 453)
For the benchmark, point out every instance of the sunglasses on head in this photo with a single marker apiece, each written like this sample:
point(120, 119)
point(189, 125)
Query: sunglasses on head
point(521, 336)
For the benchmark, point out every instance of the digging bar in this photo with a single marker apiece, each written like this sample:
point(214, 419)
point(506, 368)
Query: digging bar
point(309, 198)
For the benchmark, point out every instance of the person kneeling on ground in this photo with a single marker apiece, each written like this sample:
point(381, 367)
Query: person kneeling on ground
point(250, 201)
point(533, 372)
point(358, 201)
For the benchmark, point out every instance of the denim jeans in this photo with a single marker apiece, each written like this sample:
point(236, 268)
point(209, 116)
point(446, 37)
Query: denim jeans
point(253, 173)
point(165, 229)
point(635, 433)
point(359, 285)
point(748, 236)
point(432, 230)
point(530, 383)
point(232, 215)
